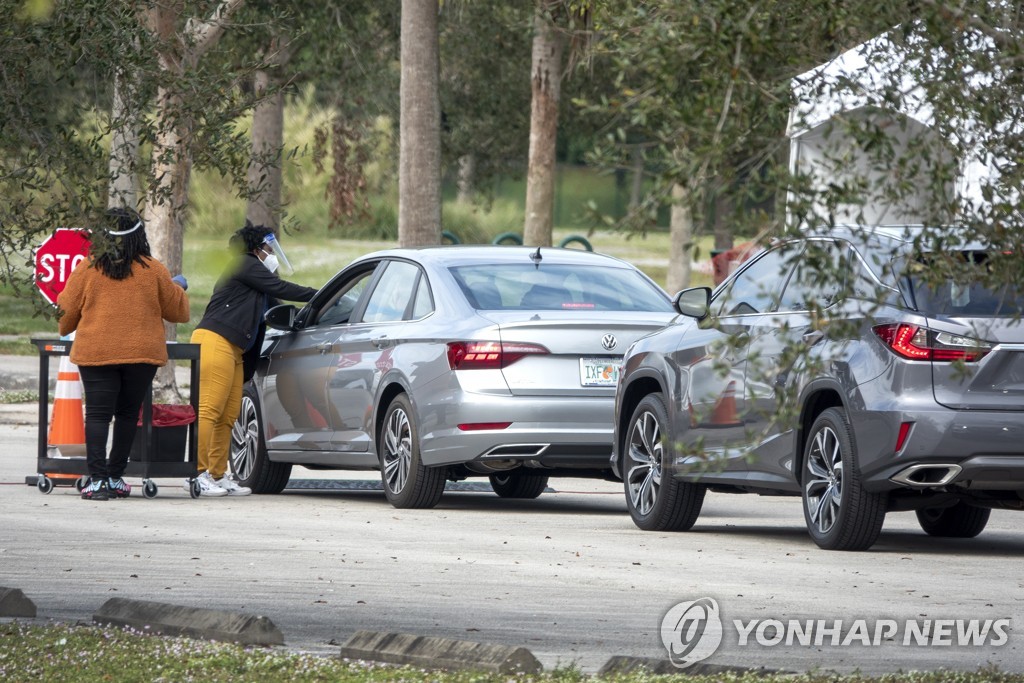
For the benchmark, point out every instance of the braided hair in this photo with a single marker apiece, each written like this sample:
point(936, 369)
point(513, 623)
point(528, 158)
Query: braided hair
point(249, 237)
point(114, 254)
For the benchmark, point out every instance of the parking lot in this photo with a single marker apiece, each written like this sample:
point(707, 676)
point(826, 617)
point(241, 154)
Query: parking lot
point(567, 576)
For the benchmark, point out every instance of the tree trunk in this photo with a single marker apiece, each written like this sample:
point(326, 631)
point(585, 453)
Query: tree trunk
point(172, 159)
point(723, 229)
point(680, 241)
point(265, 170)
point(124, 145)
point(419, 165)
point(467, 175)
point(637, 186)
point(546, 82)
point(164, 208)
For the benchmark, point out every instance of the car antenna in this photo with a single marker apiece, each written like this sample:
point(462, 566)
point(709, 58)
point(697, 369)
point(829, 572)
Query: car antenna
point(536, 257)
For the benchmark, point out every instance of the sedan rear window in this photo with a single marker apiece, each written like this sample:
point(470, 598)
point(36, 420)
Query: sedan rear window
point(553, 287)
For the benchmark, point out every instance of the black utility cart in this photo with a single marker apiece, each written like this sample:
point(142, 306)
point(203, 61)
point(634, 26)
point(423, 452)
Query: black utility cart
point(155, 455)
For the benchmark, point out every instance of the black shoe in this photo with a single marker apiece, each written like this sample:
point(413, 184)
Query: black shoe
point(96, 489)
point(119, 488)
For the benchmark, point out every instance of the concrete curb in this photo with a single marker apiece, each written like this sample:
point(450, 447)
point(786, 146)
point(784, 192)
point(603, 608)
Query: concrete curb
point(622, 664)
point(439, 653)
point(174, 620)
point(13, 603)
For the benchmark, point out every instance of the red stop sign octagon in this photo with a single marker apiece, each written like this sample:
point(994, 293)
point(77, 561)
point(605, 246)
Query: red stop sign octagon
point(56, 257)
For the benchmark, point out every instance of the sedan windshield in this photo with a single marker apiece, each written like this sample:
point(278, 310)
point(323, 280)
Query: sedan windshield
point(557, 287)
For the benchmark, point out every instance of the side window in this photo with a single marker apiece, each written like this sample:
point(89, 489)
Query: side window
point(756, 288)
point(423, 304)
point(818, 279)
point(393, 293)
point(339, 307)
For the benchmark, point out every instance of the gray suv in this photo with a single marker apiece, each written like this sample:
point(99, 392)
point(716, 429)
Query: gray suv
point(898, 385)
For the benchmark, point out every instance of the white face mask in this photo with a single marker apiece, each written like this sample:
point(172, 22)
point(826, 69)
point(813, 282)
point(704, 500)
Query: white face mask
point(270, 262)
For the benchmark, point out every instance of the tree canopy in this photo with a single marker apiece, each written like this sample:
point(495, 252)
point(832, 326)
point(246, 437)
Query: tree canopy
point(708, 93)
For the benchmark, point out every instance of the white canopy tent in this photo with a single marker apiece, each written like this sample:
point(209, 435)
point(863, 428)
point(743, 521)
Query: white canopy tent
point(854, 91)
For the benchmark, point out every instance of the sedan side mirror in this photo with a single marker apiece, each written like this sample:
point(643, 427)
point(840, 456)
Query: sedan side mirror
point(694, 302)
point(281, 317)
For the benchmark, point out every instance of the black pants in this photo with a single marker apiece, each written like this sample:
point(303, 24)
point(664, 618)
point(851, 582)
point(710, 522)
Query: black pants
point(112, 392)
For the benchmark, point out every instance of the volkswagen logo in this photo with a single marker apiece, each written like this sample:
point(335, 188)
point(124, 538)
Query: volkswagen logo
point(609, 341)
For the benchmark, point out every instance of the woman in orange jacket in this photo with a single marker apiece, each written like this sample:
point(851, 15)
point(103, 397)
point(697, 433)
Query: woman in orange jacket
point(116, 302)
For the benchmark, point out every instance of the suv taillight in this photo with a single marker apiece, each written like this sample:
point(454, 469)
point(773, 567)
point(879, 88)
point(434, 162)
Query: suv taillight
point(914, 342)
point(488, 355)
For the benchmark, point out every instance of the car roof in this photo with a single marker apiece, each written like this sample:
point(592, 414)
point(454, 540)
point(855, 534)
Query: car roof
point(903, 236)
point(899, 233)
point(458, 254)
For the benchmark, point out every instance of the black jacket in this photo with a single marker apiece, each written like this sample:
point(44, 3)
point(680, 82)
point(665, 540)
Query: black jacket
point(240, 298)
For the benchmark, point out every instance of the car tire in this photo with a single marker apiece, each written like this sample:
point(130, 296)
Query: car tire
point(958, 521)
point(248, 457)
point(519, 483)
point(657, 501)
point(839, 513)
point(407, 482)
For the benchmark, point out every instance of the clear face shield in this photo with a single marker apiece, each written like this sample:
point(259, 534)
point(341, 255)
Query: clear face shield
point(285, 265)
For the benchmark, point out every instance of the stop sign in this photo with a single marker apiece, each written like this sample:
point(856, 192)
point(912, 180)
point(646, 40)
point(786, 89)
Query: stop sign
point(56, 257)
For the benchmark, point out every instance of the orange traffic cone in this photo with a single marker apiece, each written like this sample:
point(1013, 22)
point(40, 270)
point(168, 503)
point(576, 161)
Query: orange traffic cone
point(724, 413)
point(67, 422)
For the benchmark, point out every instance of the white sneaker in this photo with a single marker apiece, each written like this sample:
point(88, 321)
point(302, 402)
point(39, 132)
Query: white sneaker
point(207, 486)
point(228, 483)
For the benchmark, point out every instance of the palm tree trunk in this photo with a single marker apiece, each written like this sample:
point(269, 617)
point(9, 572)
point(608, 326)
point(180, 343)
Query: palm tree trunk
point(680, 240)
point(124, 146)
point(419, 164)
point(264, 179)
point(546, 82)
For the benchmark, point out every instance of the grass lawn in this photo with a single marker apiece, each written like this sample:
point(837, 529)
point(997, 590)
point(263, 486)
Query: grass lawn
point(73, 653)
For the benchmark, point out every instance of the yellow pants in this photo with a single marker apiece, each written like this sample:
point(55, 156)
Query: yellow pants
point(220, 399)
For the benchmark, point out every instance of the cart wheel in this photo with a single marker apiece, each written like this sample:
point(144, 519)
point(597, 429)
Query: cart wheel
point(149, 489)
point(81, 483)
point(44, 484)
point(194, 490)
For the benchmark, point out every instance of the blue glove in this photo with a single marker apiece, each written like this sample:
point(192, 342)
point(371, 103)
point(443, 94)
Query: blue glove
point(181, 281)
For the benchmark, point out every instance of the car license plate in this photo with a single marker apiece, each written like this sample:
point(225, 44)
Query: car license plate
point(599, 372)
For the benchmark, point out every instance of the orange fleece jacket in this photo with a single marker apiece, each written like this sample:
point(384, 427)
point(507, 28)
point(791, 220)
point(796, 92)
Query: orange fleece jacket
point(120, 321)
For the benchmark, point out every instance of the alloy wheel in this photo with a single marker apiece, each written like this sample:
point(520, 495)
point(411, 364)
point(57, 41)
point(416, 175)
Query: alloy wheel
point(644, 465)
point(824, 484)
point(244, 440)
point(397, 456)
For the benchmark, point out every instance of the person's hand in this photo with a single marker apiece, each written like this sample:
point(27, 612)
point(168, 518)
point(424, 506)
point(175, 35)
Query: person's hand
point(181, 281)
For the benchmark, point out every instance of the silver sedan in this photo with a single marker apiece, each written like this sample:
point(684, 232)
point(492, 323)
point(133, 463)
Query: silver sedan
point(443, 363)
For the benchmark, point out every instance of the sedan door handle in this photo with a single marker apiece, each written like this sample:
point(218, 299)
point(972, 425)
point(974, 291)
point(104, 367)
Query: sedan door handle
point(813, 337)
point(324, 347)
point(381, 342)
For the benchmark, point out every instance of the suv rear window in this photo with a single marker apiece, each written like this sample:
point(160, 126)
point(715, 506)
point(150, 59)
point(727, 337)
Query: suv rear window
point(956, 294)
point(498, 287)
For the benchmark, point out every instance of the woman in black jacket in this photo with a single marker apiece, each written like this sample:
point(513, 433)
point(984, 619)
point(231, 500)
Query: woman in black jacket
point(230, 335)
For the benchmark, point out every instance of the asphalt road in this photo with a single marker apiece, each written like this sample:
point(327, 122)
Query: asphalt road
point(567, 576)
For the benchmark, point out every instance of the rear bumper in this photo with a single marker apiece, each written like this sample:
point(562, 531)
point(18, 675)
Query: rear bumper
point(978, 450)
point(980, 472)
point(554, 432)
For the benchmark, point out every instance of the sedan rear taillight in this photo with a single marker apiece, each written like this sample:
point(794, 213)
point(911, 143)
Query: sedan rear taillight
point(489, 355)
point(914, 342)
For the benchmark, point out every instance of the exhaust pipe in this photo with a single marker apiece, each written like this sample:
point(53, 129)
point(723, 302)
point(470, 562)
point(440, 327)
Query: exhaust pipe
point(927, 476)
point(519, 450)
